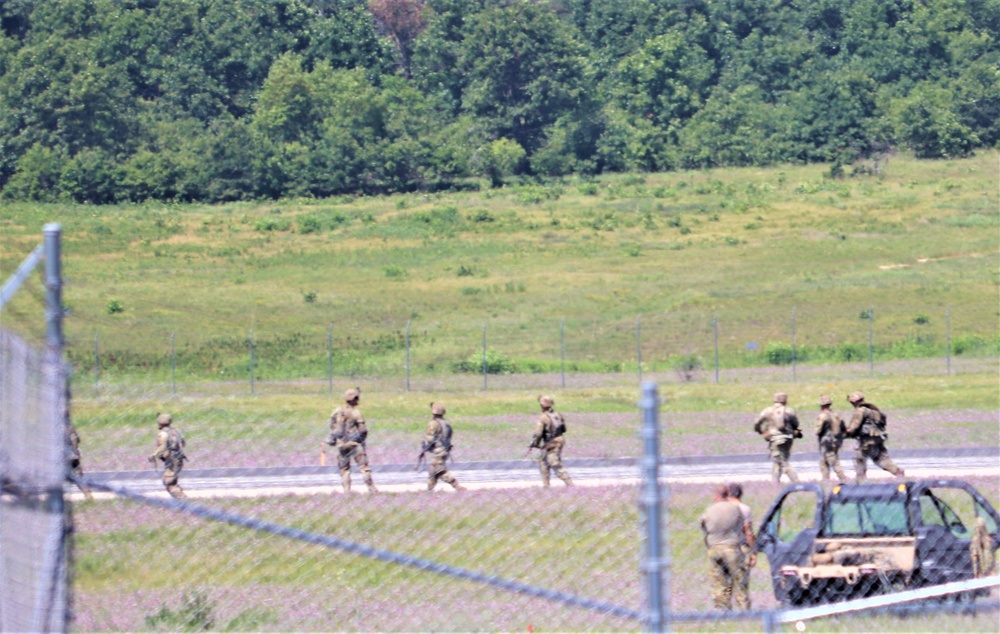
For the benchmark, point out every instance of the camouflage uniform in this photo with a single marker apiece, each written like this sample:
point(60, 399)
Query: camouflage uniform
point(549, 437)
point(779, 425)
point(981, 550)
point(437, 442)
point(348, 432)
point(748, 556)
point(170, 449)
point(73, 455)
point(722, 524)
point(868, 427)
point(830, 430)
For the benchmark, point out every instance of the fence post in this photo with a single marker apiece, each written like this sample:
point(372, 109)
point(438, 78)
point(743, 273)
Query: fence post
point(562, 349)
point(793, 345)
point(251, 362)
point(484, 355)
point(638, 344)
point(173, 364)
point(871, 341)
point(656, 559)
point(97, 366)
point(407, 355)
point(947, 339)
point(329, 355)
point(715, 331)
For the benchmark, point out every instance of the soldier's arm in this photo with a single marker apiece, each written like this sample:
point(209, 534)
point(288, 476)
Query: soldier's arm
point(536, 440)
point(760, 420)
point(161, 445)
point(821, 423)
point(359, 421)
point(856, 420)
point(433, 429)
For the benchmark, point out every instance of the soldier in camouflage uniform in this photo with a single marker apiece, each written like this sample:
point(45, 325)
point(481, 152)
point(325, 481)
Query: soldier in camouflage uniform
point(981, 550)
point(779, 425)
point(170, 449)
point(722, 523)
point(867, 426)
point(73, 454)
point(437, 442)
point(830, 430)
point(549, 436)
point(348, 432)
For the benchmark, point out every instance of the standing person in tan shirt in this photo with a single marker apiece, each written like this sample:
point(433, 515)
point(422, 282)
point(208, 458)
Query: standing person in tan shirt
point(722, 523)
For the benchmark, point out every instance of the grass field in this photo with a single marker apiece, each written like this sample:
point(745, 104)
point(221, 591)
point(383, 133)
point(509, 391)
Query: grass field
point(569, 271)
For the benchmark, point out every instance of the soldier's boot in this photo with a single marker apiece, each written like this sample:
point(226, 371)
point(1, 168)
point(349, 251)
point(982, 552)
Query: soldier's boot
point(345, 480)
point(841, 475)
point(545, 478)
point(87, 493)
point(564, 476)
point(371, 485)
point(176, 492)
point(458, 487)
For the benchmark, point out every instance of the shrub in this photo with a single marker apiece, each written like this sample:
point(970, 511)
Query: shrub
point(778, 353)
point(496, 363)
point(851, 352)
point(114, 307)
point(968, 343)
point(394, 271)
point(686, 366)
point(265, 225)
point(309, 224)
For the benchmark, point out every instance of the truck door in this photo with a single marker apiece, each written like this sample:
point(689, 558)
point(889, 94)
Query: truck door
point(944, 513)
point(789, 528)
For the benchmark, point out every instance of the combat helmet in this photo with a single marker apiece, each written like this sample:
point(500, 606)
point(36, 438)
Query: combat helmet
point(825, 400)
point(855, 398)
point(352, 394)
point(781, 397)
point(164, 419)
point(546, 401)
point(437, 409)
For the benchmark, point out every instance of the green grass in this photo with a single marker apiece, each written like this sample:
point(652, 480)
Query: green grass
point(747, 247)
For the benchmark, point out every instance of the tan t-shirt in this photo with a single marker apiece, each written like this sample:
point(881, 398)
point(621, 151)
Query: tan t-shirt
point(722, 524)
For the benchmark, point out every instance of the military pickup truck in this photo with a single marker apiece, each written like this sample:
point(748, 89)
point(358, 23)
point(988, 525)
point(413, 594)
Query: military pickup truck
point(858, 540)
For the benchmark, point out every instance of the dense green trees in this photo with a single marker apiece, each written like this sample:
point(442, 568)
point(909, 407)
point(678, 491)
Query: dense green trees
point(116, 100)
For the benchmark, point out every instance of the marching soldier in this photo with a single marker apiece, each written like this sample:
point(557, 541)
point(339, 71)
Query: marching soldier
point(867, 426)
point(170, 449)
point(73, 454)
point(348, 432)
point(437, 442)
point(779, 425)
point(549, 436)
point(830, 430)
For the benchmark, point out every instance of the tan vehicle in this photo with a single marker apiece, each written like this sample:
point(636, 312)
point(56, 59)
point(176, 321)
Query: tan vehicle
point(860, 540)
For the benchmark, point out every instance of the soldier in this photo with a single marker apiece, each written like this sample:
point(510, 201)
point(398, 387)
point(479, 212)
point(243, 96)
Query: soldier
point(779, 426)
point(867, 426)
point(748, 542)
point(349, 431)
point(170, 449)
point(437, 441)
point(722, 523)
point(73, 454)
point(981, 550)
point(549, 437)
point(830, 430)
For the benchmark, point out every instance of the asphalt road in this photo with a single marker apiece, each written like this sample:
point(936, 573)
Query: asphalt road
point(305, 480)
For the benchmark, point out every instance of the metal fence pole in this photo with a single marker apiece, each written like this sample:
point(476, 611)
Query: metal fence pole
point(871, 341)
point(947, 339)
point(638, 344)
point(793, 345)
point(407, 355)
point(251, 362)
point(715, 331)
point(656, 559)
point(562, 349)
point(173, 364)
point(484, 355)
point(329, 355)
point(97, 366)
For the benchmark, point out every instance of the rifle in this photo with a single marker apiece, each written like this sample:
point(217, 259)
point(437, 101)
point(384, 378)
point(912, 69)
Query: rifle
point(530, 447)
point(420, 459)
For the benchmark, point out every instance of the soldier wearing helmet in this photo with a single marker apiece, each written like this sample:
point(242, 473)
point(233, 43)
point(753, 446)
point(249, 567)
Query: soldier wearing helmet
point(437, 442)
point(868, 428)
point(73, 454)
point(550, 431)
point(348, 433)
point(169, 449)
point(830, 430)
point(779, 425)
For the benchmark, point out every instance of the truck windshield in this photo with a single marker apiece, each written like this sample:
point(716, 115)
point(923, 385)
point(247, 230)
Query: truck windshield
point(861, 517)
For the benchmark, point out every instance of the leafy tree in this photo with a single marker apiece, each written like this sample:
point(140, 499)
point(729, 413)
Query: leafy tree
point(499, 159)
point(525, 69)
point(926, 122)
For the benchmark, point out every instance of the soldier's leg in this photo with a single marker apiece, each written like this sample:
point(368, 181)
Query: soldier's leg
point(881, 457)
point(860, 465)
point(741, 581)
point(361, 459)
point(170, 482)
point(785, 463)
point(77, 470)
point(555, 462)
point(721, 577)
point(344, 462)
point(435, 472)
point(543, 468)
point(837, 468)
point(452, 480)
point(824, 466)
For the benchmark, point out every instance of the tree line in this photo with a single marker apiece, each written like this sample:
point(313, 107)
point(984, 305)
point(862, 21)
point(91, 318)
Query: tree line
point(105, 101)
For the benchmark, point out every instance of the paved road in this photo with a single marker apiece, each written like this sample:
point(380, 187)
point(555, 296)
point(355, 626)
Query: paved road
point(256, 482)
